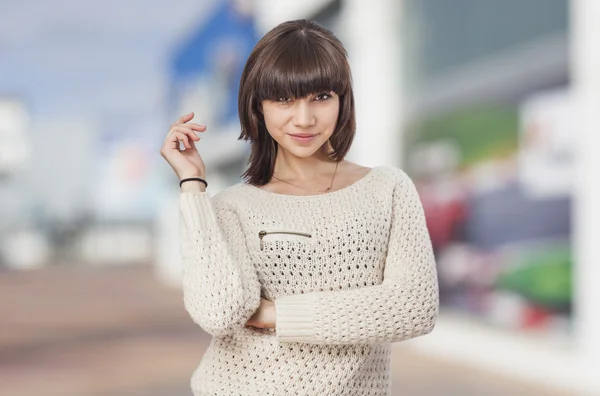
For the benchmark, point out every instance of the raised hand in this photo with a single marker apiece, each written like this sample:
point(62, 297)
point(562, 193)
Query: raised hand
point(185, 162)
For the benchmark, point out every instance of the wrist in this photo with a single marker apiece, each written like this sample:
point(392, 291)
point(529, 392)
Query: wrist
point(193, 186)
point(201, 175)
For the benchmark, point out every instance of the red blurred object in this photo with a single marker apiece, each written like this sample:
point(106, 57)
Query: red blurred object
point(535, 317)
point(444, 216)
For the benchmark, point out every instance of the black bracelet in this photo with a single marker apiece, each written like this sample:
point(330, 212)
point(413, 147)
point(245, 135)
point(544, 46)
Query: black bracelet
point(194, 178)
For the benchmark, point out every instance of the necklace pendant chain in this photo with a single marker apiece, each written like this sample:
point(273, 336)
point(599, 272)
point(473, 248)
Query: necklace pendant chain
point(307, 189)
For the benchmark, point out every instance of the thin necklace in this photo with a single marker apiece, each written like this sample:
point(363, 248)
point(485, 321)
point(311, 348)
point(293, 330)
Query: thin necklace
point(307, 189)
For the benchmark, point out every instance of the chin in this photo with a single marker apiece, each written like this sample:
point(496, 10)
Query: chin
point(299, 149)
point(301, 152)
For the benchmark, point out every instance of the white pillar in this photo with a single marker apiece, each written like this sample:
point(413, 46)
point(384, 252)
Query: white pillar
point(269, 13)
point(371, 32)
point(585, 46)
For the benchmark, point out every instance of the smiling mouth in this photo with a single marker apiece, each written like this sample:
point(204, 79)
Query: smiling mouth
point(302, 135)
point(303, 138)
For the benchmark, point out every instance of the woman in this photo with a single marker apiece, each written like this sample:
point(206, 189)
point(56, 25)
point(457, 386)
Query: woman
point(307, 271)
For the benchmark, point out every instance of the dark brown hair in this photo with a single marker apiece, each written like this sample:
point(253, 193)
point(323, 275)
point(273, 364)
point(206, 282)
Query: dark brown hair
point(295, 59)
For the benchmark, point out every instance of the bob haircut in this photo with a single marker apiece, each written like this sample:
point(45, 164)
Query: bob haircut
point(295, 59)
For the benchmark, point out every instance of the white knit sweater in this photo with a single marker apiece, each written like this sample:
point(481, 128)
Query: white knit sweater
point(350, 272)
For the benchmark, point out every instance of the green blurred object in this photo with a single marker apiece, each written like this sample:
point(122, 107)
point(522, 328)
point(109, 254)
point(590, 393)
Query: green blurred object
point(544, 277)
point(479, 132)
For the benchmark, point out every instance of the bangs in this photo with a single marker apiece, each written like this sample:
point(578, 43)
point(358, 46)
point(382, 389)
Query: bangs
point(302, 68)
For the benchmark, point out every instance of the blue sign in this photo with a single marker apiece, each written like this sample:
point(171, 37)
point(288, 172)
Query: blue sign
point(211, 61)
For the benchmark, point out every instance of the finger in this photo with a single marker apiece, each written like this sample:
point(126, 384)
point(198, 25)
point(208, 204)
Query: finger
point(171, 136)
point(171, 145)
point(180, 136)
point(185, 118)
point(196, 127)
point(183, 137)
point(186, 141)
point(188, 131)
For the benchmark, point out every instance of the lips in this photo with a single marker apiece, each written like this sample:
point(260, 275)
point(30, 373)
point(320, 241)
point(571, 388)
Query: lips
point(302, 135)
point(303, 138)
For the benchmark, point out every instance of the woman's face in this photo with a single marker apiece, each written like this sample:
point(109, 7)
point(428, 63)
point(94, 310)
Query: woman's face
point(302, 125)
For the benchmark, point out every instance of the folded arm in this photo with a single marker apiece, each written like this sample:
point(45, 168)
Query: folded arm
point(403, 306)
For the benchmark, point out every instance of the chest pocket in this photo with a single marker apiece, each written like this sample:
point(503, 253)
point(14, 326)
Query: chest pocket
point(270, 237)
point(286, 260)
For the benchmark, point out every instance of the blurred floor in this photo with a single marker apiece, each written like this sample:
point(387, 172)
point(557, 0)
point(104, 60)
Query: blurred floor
point(116, 331)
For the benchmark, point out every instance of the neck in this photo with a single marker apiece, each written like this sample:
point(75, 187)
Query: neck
point(290, 166)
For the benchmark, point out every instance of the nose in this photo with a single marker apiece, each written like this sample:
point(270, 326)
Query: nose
point(303, 114)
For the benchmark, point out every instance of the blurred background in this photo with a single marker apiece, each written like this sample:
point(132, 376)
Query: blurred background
point(492, 107)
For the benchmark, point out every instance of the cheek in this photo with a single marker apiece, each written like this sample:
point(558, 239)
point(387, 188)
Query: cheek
point(274, 119)
point(330, 117)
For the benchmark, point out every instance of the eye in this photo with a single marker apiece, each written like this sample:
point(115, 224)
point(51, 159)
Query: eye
point(322, 97)
point(283, 99)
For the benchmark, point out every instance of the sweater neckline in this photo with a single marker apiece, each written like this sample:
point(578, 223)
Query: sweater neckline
point(336, 192)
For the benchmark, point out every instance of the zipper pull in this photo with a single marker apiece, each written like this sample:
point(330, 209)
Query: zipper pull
point(261, 235)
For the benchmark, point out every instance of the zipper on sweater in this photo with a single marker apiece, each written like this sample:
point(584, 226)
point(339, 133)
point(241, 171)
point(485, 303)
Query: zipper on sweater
point(261, 235)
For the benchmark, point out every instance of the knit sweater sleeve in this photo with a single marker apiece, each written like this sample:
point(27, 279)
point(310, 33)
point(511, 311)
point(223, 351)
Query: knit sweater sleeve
point(403, 306)
point(220, 285)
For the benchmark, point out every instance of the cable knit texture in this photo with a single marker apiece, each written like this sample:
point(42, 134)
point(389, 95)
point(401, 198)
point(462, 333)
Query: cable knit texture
point(350, 272)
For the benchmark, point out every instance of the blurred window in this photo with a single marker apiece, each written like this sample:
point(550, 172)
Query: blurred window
point(443, 35)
